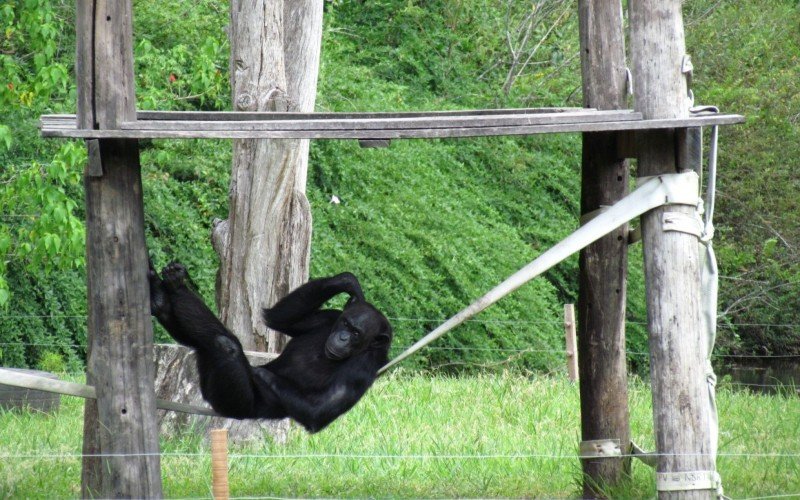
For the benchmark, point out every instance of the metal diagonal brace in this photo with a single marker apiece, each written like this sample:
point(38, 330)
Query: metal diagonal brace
point(667, 189)
point(26, 381)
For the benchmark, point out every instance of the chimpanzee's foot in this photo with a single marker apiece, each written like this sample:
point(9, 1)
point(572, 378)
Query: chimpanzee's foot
point(174, 276)
point(159, 304)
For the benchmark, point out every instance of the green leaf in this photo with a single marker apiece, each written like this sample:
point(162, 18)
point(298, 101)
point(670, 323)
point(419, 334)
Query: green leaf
point(769, 247)
point(5, 136)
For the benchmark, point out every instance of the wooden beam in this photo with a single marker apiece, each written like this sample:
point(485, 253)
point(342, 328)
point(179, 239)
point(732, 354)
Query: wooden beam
point(17, 379)
point(278, 115)
point(63, 127)
point(603, 265)
point(392, 123)
point(672, 261)
point(121, 427)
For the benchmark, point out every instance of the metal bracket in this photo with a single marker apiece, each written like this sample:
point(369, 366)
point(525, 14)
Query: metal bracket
point(600, 448)
point(687, 69)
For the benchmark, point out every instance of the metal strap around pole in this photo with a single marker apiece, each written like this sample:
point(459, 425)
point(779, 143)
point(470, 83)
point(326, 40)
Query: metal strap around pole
point(659, 190)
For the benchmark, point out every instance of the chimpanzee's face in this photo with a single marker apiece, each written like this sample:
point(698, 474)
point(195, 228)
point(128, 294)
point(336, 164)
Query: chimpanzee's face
point(359, 327)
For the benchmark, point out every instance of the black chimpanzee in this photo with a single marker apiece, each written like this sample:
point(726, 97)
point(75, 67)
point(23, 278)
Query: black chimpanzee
point(330, 362)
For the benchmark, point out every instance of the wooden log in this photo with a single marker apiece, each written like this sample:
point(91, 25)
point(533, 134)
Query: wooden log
point(603, 264)
point(672, 270)
point(121, 426)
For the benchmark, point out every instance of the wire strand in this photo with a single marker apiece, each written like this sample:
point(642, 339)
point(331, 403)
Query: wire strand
point(382, 456)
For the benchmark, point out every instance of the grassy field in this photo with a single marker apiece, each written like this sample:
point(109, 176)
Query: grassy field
point(413, 436)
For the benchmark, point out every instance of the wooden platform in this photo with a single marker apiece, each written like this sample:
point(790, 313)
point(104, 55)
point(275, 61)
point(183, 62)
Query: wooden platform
point(372, 126)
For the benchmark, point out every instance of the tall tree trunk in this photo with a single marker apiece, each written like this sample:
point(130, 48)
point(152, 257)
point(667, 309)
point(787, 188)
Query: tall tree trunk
point(264, 245)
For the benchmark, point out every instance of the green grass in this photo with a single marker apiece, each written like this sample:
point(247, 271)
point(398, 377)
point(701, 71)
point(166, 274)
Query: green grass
point(414, 436)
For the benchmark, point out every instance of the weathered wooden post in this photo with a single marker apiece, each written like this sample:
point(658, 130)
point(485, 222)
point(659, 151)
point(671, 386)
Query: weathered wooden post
point(603, 264)
point(121, 426)
point(672, 263)
point(219, 464)
point(571, 342)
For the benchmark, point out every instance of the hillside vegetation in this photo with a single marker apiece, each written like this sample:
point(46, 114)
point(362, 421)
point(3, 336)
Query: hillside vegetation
point(427, 225)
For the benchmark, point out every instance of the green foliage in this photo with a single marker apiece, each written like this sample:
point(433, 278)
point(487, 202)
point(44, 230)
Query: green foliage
point(32, 69)
point(46, 314)
point(41, 227)
point(457, 51)
point(451, 240)
point(746, 58)
point(428, 225)
point(181, 55)
point(51, 362)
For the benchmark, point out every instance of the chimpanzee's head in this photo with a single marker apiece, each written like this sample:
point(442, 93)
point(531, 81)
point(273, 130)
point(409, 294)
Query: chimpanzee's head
point(360, 327)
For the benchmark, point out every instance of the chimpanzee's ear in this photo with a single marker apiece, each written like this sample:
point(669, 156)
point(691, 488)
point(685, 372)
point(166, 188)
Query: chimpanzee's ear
point(384, 338)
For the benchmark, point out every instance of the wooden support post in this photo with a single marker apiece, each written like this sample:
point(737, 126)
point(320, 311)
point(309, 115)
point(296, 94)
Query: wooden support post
point(219, 464)
point(672, 261)
point(603, 264)
point(120, 429)
point(571, 342)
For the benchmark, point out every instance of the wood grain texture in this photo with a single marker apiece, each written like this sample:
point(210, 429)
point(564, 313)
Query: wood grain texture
point(122, 425)
point(63, 127)
point(672, 260)
point(603, 265)
point(394, 123)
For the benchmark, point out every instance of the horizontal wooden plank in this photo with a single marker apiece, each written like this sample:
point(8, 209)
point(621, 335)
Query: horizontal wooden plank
point(29, 381)
point(191, 120)
point(375, 124)
point(271, 115)
point(418, 133)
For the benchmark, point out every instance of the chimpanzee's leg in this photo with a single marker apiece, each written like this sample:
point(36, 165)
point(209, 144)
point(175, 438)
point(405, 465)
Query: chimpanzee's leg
point(226, 377)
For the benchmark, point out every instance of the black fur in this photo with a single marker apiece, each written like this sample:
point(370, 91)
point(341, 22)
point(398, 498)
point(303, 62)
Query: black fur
point(330, 362)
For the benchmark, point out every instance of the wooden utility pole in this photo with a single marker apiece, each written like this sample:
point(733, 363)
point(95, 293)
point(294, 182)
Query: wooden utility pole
point(121, 426)
point(603, 264)
point(672, 260)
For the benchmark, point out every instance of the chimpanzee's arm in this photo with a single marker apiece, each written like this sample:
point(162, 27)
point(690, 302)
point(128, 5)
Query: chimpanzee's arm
point(315, 411)
point(295, 313)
